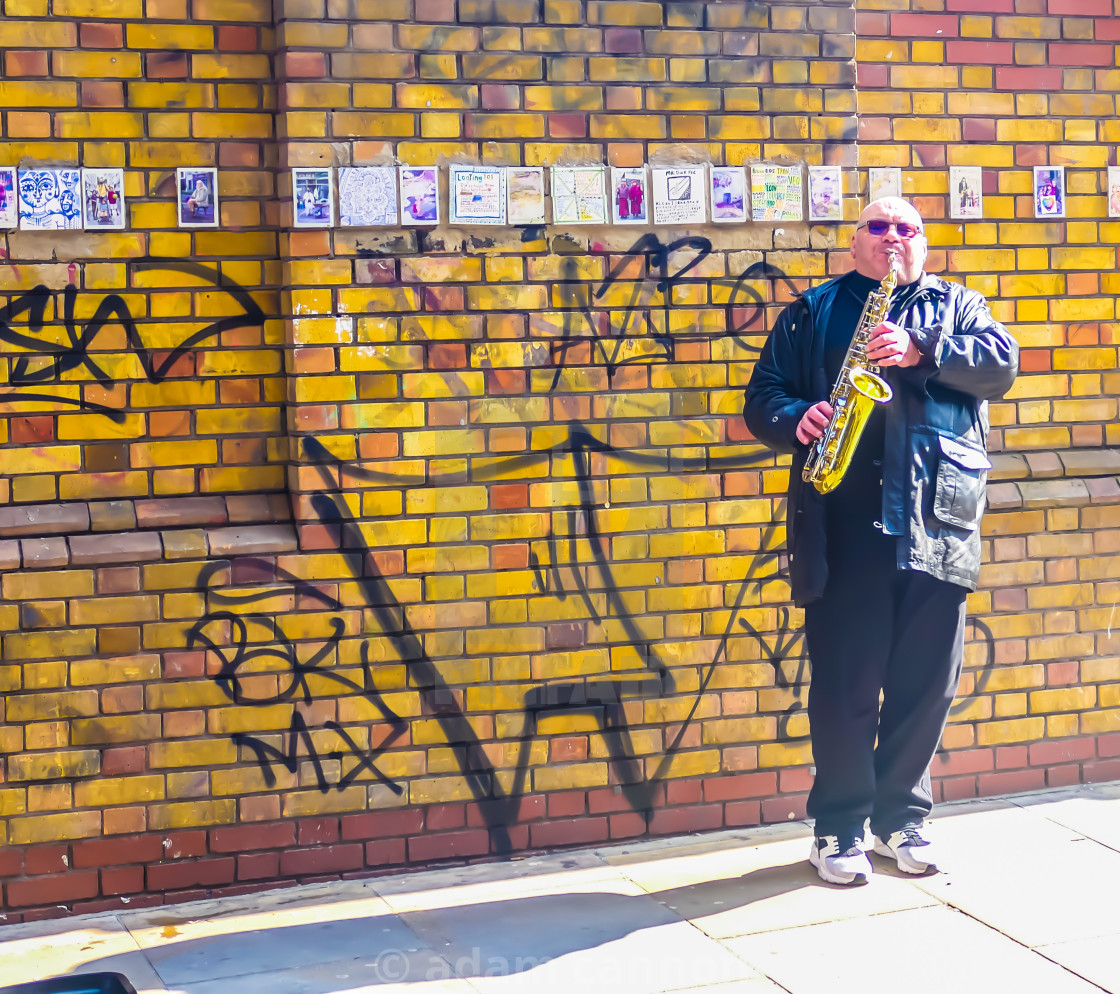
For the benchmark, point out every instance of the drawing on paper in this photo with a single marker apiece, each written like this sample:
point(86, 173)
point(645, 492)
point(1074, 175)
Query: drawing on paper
point(776, 193)
point(9, 199)
point(50, 199)
point(478, 195)
point(1049, 191)
point(885, 181)
point(826, 194)
point(578, 195)
point(525, 190)
point(198, 197)
point(312, 197)
point(629, 195)
point(103, 198)
point(729, 194)
point(367, 196)
point(419, 195)
point(966, 192)
point(679, 195)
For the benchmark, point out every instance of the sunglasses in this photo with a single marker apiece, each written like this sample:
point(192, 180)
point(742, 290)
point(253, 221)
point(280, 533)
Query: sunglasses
point(880, 228)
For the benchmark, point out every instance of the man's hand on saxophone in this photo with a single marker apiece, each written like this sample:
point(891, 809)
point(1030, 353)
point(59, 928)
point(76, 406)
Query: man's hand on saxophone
point(890, 345)
point(814, 422)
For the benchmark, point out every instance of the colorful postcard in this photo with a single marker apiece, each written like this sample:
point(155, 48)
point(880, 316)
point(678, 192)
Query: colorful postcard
point(579, 195)
point(419, 194)
point(1113, 191)
point(525, 189)
point(1049, 191)
point(478, 194)
point(312, 197)
point(9, 199)
point(198, 197)
point(367, 196)
point(826, 193)
point(680, 195)
point(103, 199)
point(776, 193)
point(629, 195)
point(885, 181)
point(966, 192)
point(729, 193)
point(50, 199)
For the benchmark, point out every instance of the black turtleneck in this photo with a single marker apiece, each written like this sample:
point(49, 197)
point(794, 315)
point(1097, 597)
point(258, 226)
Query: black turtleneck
point(856, 504)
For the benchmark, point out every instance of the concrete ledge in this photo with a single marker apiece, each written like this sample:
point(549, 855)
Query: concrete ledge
point(42, 520)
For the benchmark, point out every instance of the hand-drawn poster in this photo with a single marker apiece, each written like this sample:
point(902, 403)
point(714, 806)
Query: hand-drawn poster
point(525, 188)
point(729, 194)
point(826, 194)
point(103, 199)
point(9, 199)
point(312, 197)
point(198, 197)
point(367, 196)
point(419, 195)
point(966, 192)
point(478, 195)
point(885, 181)
point(579, 195)
point(1113, 191)
point(680, 195)
point(776, 194)
point(50, 199)
point(1049, 191)
point(629, 195)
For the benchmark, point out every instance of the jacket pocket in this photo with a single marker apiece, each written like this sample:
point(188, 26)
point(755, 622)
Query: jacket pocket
point(962, 473)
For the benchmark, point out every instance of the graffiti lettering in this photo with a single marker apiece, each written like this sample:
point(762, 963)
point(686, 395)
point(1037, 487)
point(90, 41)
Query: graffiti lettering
point(254, 644)
point(669, 264)
point(112, 310)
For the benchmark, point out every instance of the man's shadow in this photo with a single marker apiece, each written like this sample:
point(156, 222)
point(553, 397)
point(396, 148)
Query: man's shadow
point(491, 938)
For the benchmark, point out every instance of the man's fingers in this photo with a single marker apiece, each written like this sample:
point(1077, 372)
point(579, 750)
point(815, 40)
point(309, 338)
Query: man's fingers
point(813, 422)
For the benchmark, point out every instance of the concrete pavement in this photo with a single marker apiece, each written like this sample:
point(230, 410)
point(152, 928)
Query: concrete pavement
point(1031, 903)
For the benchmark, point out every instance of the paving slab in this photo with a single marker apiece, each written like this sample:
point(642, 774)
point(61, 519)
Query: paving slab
point(761, 888)
point(1096, 959)
point(299, 937)
point(38, 950)
point(1026, 875)
point(1094, 813)
point(925, 951)
point(612, 938)
point(516, 872)
point(420, 973)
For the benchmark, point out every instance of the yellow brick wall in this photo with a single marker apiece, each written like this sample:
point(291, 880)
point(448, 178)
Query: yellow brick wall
point(463, 549)
point(188, 400)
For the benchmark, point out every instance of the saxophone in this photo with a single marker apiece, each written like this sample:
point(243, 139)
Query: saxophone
point(857, 390)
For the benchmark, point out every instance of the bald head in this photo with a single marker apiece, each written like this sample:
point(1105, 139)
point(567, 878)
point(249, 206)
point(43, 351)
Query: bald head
point(903, 209)
point(873, 252)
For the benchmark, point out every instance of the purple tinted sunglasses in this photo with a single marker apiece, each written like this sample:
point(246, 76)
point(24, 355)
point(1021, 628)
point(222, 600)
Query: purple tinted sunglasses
point(879, 228)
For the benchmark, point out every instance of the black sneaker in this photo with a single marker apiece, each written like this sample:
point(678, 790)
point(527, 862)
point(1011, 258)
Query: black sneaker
point(840, 860)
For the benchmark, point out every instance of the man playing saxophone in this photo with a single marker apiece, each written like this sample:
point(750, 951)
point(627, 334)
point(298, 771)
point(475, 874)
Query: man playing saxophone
point(883, 560)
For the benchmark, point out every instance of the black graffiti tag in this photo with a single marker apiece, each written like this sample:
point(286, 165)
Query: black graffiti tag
point(77, 351)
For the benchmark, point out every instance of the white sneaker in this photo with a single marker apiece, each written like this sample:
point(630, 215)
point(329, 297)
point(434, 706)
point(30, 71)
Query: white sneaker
point(912, 852)
point(840, 860)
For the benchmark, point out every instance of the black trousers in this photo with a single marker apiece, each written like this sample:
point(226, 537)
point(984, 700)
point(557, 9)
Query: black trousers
point(878, 628)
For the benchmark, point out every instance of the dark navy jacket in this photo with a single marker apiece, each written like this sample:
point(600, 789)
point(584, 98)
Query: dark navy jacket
point(935, 462)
